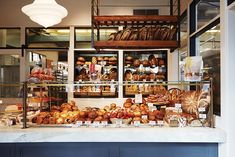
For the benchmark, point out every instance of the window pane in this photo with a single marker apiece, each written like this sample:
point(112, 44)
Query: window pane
point(83, 36)
point(206, 11)
point(209, 49)
point(48, 38)
point(9, 74)
point(10, 38)
point(184, 31)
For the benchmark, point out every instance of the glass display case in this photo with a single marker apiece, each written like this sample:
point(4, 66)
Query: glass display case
point(173, 104)
point(144, 67)
point(209, 49)
point(96, 74)
point(11, 103)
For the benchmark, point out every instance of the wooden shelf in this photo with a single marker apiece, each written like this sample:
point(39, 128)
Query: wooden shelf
point(134, 20)
point(148, 44)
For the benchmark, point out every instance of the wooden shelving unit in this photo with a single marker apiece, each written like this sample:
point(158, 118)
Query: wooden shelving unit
point(148, 44)
point(136, 22)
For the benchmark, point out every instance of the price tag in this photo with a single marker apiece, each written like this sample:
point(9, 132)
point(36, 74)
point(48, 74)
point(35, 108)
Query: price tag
point(202, 109)
point(1, 102)
point(79, 123)
point(137, 123)
point(153, 108)
point(30, 95)
point(178, 105)
point(202, 116)
point(206, 87)
point(96, 123)
point(104, 123)
point(144, 80)
point(152, 123)
point(87, 123)
point(118, 122)
point(144, 117)
point(160, 122)
point(152, 80)
point(150, 104)
point(138, 98)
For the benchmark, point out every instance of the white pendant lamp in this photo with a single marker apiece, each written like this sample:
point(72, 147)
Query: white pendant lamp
point(45, 12)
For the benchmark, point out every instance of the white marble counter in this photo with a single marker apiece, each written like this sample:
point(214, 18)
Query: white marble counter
point(156, 134)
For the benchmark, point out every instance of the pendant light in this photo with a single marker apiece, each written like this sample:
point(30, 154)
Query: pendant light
point(45, 12)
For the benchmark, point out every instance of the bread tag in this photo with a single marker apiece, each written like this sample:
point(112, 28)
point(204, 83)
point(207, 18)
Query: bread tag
point(138, 98)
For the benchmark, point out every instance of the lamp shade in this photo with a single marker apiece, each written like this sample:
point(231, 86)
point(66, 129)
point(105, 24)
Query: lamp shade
point(45, 12)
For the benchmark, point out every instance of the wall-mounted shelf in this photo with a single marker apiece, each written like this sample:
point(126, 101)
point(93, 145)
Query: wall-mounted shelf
point(135, 44)
point(139, 31)
point(132, 20)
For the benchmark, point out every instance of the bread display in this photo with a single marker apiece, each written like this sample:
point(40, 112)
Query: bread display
point(145, 33)
point(190, 102)
point(91, 68)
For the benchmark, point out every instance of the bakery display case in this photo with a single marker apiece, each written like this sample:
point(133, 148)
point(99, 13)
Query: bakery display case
point(143, 68)
point(96, 74)
point(173, 104)
point(11, 104)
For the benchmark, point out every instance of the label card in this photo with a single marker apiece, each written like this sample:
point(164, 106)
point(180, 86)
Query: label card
point(178, 105)
point(104, 123)
point(144, 117)
point(79, 123)
point(87, 123)
point(1, 102)
point(138, 98)
point(96, 123)
point(137, 123)
point(152, 123)
point(153, 108)
point(30, 95)
point(202, 109)
point(118, 122)
point(202, 116)
point(160, 122)
point(150, 104)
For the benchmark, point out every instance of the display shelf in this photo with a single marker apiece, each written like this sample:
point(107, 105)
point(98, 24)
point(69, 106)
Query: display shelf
point(133, 20)
point(135, 44)
point(136, 31)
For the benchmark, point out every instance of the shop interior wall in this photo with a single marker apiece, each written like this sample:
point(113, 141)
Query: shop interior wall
point(79, 11)
point(80, 15)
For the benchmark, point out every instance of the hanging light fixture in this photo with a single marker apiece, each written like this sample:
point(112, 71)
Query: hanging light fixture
point(45, 12)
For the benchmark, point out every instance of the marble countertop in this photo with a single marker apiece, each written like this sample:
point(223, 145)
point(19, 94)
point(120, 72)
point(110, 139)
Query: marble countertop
point(83, 134)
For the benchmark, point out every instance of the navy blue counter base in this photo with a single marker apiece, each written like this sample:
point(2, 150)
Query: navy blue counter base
point(109, 150)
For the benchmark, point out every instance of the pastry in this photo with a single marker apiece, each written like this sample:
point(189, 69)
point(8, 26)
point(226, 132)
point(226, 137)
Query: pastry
point(128, 75)
point(99, 59)
point(94, 60)
point(81, 61)
point(106, 59)
point(136, 63)
point(113, 61)
point(126, 34)
point(153, 62)
point(190, 102)
point(128, 60)
point(175, 95)
point(161, 62)
point(112, 36)
point(135, 76)
point(145, 63)
point(152, 77)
